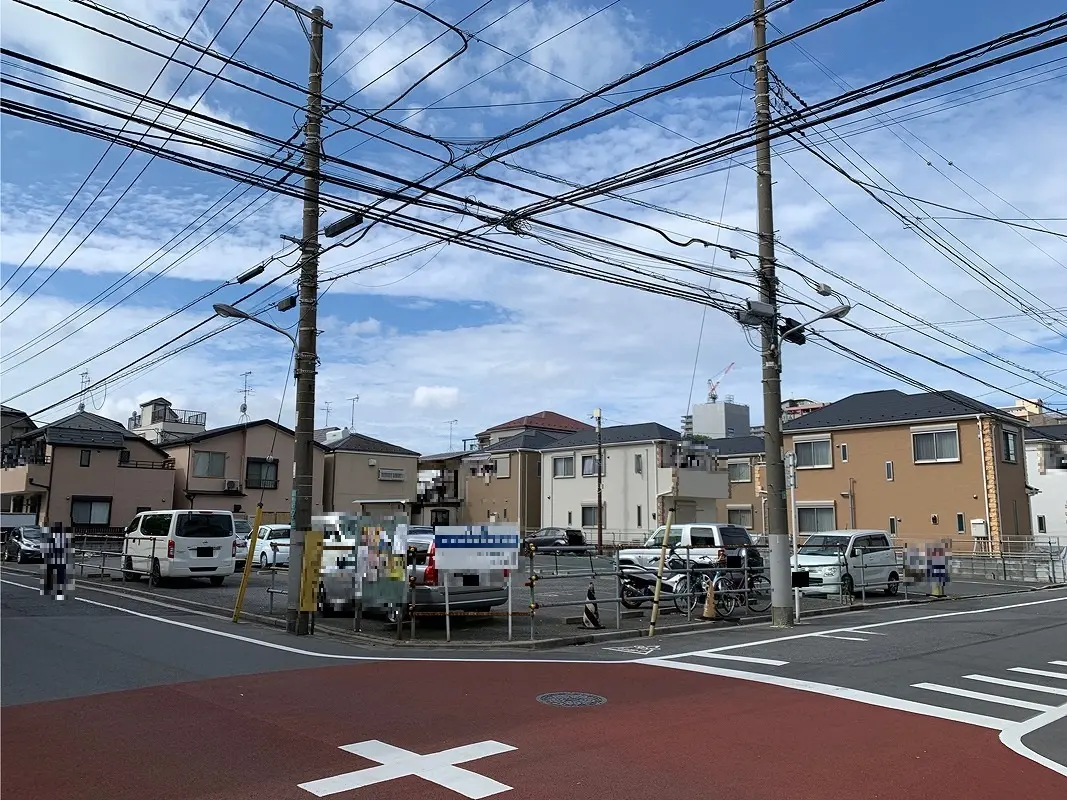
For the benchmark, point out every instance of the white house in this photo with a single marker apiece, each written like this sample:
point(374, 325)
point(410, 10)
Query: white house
point(639, 482)
point(1046, 471)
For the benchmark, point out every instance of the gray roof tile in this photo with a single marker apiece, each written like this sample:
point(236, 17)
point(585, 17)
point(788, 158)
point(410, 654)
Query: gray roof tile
point(357, 442)
point(890, 405)
point(618, 434)
point(736, 445)
point(1056, 433)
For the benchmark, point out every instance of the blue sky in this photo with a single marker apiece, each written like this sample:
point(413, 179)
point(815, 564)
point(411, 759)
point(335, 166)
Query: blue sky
point(451, 333)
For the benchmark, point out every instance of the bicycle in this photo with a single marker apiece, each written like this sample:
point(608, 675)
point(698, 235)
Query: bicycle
point(733, 591)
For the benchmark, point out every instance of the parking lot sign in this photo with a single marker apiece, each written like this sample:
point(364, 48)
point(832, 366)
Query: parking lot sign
point(478, 548)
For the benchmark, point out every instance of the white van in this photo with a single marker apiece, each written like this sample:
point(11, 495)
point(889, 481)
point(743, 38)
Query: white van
point(180, 544)
point(844, 561)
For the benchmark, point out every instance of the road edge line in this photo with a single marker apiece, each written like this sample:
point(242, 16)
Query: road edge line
point(1012, 738)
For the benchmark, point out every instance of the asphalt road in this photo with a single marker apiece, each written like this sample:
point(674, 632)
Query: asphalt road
point(144, 698)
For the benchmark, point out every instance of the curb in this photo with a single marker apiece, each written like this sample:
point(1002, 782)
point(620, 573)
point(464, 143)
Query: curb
point(358, 637)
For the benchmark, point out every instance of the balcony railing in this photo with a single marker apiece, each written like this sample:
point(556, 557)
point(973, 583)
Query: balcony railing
point(165, 464)
point(261, 483)
point(10, 462)
point(179, 416)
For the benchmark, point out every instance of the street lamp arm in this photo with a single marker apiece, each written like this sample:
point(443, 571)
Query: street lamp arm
point(838, 312)
point(230, 312)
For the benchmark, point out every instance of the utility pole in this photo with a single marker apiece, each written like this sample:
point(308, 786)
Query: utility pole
point(771, 354)
point(451, 424)
point(352, 421)
point(599, 482)
point(297, 621)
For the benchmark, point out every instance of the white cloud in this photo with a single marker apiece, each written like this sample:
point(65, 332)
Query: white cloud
point(366, 327)
point(435, 397)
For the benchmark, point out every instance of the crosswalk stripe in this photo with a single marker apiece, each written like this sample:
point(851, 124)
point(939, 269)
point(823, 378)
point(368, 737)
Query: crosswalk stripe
point(989, 698)
point(1033, 687)
point(1045, 673)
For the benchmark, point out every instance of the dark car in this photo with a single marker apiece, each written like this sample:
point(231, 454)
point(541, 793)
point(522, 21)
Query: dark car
point(552, 540)
point(25, 544)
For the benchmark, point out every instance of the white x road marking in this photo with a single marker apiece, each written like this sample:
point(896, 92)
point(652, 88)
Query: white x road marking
point(395, 762)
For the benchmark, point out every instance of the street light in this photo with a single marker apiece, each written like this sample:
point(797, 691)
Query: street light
point(793, 331)
point(232, 312)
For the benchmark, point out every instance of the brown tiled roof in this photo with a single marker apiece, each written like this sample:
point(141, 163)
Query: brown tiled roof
point(545, 421)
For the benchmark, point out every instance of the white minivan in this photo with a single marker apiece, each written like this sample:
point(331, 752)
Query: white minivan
point(844, 562)
point(180, 544)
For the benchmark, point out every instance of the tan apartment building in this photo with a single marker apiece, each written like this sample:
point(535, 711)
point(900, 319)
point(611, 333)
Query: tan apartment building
point(742, 458)
point(442, 489)
point(232, 467)
point(85, 472)
point(924, 467)
point(368, 476)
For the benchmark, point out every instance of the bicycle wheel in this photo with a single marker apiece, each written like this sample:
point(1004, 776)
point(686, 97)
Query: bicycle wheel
point(683, 601)
point(725, 597)
point(759, 594)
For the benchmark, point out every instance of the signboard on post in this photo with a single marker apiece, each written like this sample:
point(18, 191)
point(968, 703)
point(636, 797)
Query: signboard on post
point(478, 548)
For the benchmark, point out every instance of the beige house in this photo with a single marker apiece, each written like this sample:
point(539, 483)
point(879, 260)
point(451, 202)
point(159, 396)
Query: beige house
point(13, 423)
point(742, 458)
point(442, 494)
point(237, 466)
point(924, 467)
point(503, 480)
point(85, 472)
point(367, 476)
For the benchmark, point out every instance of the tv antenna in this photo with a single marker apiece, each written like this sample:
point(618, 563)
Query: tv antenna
point(451, 424)
point(353, 401)
point(84, 390)
point(244, 391)
point(326, 408)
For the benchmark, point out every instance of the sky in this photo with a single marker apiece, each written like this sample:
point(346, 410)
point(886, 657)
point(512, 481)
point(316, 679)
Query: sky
point(454, 340)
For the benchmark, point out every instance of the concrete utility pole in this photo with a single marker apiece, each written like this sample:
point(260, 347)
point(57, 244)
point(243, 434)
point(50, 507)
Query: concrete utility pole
point(777, 518)
point(297, 621)
point(599, 482)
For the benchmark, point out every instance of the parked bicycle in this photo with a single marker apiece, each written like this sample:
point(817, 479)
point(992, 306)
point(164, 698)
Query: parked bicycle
point(733, 587)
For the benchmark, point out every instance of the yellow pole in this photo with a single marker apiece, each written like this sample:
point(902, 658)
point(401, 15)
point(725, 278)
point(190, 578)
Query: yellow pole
point(312, 564)
point(248, 562)
point(659, 574)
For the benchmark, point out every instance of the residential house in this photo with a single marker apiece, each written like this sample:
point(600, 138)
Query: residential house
point(367, 476)
point(548, 421)
point(85, 471)
point(158, 422)
point(742, 458)
point(639, 481)
point(441, 489)
point(1046, 469)
point(13, 423)
point(1036, 413)
point(238, 466)
point(924, 467)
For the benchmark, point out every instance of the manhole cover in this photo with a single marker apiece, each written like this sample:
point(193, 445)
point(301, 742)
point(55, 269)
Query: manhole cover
point(571, 699)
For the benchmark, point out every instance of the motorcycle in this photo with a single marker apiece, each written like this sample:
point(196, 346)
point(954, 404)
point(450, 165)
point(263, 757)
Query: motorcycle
point(638, 586)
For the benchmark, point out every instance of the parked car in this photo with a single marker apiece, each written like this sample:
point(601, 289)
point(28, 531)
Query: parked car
point(180, 544)
point(25, 544)
point(700, 541)
point(550, 540)
point(843, 561)
point(272, 546)
point(242, 529)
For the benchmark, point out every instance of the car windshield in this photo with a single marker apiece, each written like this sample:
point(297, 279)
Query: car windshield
point(824, 545)
point(242, 527)
point(204, 524)
point(34, 534)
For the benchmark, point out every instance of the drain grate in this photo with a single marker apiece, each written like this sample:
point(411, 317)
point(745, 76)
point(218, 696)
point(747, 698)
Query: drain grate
point(571, 699)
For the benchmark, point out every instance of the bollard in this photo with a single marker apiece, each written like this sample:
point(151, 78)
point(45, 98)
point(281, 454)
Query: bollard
point(710, 612)
point(937, 589)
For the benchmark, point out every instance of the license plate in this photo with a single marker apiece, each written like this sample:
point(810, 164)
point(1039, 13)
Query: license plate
point(205, 552)
point(470, 580)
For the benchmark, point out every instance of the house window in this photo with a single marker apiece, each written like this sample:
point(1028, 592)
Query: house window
point(570, 517)
point(209, 465)
point(815, 519)
point(538, 468)
point(740, 516)
point(639, 465)
point(589, 466)
point(844, 452)
point(94, 511)
point(1041, 524)
point(639, 523)
point(740, 472)
point(892, 526)
point(961, 523)
point(1011, 444)
point(261, 474)
point(930, 447)
point(86, 456)
point(563, 467)
point(503, 467)
point(589, 516)
point(505, 512)
point(813, 454)
point(889, 470)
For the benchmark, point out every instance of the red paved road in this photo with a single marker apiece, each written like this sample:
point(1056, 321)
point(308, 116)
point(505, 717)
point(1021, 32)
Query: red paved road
point(259, 737)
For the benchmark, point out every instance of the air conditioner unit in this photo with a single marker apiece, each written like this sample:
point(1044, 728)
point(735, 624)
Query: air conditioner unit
point(979, 529)
point(233, 486)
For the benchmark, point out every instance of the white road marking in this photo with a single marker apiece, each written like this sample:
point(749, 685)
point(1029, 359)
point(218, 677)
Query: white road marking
point(1059, 663)
point(1012, 737)
point(865, 633)
point(842, 638)
point(866, 628)
point(771, 662)
point(636, 649)
point(395, 762)
point(857, 695)
point(1032, 687)
point(988, 698)
point(1045, 673)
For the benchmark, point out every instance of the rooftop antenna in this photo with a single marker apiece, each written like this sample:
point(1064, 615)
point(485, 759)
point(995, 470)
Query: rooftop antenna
point(244, 391)
point(451, 424)
point(353, 401)
point(83, 390)
point(326, 408)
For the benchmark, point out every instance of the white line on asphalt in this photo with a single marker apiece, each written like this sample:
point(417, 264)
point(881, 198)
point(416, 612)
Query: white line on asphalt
point(1059, 663)
point(771, 662)
point(842, 638)
point(843, 692)
point(988, 698)
point(312, 653)
point(865, 633)
point(1012, 737)
point(865, 628)
point(1045, 673)
point(1032, 687)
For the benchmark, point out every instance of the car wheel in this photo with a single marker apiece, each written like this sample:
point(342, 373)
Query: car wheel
point(127, 570)
point(894, 584)
point(156, 575)
point(848, 586)
point(216, 580)
point(263, 561)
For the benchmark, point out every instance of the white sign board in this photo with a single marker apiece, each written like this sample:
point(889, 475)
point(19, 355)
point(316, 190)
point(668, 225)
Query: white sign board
point(476, 547)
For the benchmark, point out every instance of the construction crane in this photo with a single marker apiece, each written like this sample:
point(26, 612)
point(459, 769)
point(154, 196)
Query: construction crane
point(713, 384)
